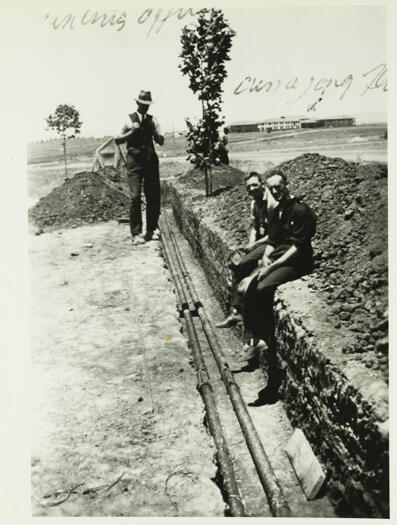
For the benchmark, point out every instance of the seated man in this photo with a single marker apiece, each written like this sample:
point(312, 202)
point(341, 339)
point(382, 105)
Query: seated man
point(256, 243)
point(288, 255)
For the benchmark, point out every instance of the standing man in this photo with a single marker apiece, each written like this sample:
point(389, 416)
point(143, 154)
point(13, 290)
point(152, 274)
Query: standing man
point(256, 243)
point(142, 167)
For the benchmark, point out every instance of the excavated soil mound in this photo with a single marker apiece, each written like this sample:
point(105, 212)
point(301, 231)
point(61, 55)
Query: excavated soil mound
point(86, 197)
point(223, 177)
point(350, 200)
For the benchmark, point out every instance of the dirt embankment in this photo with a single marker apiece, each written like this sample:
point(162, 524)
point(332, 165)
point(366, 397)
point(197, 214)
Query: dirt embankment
point(351, 244)
point(350, 200)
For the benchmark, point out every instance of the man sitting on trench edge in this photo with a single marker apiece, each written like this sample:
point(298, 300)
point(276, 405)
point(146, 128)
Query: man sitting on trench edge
point(288, 255)
point(256, 244)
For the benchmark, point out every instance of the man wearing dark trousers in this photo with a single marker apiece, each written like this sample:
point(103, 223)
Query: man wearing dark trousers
point(288, 255)
point(255, 247)
point(142, 167)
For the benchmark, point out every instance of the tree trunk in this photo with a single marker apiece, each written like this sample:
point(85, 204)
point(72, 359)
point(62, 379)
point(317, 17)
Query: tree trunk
point(205, 169)
point(64, 156)
point(210, 169)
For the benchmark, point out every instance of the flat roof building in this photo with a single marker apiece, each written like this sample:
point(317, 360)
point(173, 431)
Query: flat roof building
point(330, 122)
point(243, 126)
point(291, 122)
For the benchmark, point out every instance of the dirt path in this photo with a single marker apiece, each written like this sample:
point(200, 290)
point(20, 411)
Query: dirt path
point(116, 419)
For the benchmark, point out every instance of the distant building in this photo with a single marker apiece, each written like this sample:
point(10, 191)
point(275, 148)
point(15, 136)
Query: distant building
point(309, 123)
point(294, 122)
point(276, 124)
point(331, 122)
point(243, 126)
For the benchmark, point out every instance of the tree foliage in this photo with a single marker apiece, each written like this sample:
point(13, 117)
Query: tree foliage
point(65, 121)
point(205, 49)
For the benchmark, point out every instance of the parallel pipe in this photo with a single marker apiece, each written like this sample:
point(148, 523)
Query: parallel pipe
point(274, 493)
point(205, 389)
point(182, 301)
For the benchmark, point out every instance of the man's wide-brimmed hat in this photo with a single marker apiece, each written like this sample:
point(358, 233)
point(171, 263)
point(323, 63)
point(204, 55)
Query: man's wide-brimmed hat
point(144, 97)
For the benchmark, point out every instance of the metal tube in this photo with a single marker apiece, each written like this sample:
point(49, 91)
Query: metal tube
point(192, 290)
point(182, 302)
point(205, 389)
point(276, 499)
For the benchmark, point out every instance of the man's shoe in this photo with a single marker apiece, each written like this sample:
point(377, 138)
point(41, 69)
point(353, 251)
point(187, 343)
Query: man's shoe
point(137, 239)
point(156, 234)
point(251, 351)
point(267, 396)
point(231, 320)
point(148, 236)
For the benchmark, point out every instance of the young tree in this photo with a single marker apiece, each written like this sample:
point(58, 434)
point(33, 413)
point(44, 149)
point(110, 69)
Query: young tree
point(205, 49)
point(66, 122)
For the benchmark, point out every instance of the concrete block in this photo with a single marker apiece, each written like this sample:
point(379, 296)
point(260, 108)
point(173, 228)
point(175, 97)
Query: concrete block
point(307, 467)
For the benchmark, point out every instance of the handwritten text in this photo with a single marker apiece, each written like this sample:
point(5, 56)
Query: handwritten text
point(161, 17)
point(155, 18)
point(372, 79)
point(71, 21)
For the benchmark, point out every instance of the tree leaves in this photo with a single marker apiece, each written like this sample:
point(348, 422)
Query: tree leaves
point(65, 121)
point(205, 49)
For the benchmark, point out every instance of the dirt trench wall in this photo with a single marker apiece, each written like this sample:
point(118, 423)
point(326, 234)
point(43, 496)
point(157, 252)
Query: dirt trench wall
point(339, 404)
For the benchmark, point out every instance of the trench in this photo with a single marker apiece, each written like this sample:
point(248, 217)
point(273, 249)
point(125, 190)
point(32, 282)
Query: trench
point(321, 406)
point(271, 424)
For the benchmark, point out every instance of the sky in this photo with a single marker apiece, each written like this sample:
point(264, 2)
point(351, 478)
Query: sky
point(296, 54)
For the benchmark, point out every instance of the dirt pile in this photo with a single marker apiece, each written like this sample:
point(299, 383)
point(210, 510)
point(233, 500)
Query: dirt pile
point(86, 197)
point(223, 177)
point(350, 200)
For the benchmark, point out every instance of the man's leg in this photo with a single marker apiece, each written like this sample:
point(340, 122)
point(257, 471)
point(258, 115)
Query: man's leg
point(258, 302)
point(152, 194)
point(249, 262)
point(259, 318)
point(245, 267)
point(134, 178)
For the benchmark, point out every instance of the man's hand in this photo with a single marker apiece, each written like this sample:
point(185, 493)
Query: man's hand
point(264, 267)
point(263, 272)
point(135, 125)
point(159, 139)
point(266, 261)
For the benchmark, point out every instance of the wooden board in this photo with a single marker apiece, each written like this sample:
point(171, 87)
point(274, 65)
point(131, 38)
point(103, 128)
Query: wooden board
point(307, 467)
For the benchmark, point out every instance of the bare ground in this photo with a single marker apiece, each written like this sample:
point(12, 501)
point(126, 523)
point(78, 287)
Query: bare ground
point(117, 423)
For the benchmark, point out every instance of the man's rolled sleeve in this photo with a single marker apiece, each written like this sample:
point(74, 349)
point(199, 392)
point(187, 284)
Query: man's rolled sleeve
point(302, 227)
point(157, 127)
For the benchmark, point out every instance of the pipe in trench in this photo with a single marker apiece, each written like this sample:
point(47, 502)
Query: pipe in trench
point(274, 493)
point(205, 389)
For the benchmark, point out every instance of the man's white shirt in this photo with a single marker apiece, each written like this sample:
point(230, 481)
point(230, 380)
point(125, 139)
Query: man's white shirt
point(157, 127)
